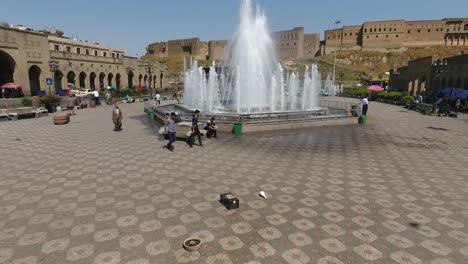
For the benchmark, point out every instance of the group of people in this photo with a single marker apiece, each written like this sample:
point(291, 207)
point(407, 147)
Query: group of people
point(176, 96)
point(447, 104)
point(170, 129)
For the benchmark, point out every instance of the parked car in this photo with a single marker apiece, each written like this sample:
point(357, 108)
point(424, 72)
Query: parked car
point(82, 92)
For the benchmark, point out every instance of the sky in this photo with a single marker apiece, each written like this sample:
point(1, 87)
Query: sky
point(132, 25)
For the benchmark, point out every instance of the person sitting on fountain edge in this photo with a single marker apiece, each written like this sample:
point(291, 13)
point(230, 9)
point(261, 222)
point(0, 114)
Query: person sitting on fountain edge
point(211, 128)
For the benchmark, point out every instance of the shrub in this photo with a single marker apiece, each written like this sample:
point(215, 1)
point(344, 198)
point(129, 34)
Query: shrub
point(26, 101)
point(50, 101)
point(125, 92)
point(408, 99)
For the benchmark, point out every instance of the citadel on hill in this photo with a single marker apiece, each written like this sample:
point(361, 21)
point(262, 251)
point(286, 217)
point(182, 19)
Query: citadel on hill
point(381, 36)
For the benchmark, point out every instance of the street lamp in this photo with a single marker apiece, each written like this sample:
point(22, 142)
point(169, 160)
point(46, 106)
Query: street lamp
point(438, 67)
point(53, 67)
point(149, 69)
point(337, 23)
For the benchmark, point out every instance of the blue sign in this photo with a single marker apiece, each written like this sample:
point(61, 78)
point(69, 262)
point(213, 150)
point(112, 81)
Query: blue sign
point(48, 81)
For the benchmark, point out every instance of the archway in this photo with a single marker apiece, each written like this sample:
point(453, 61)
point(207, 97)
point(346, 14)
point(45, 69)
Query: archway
point(101, 80)
point(458, 83)
point(117, 81)
point(109, 79)
point(144, 80)
point(92, 81)
point(82, 79)
point(71, 78)
point(34, 84)
point(130, 79)
point(58, 81)
point(139, 79)
point(161, 80)
point(450, 82)
point(7, 66)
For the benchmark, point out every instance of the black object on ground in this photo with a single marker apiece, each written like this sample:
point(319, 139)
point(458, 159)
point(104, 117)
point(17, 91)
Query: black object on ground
point(229, 201)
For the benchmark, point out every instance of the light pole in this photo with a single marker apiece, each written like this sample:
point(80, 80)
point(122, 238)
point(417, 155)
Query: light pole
point(438, 67)
point(53, 67)
point(149, 69)
point(337, 23)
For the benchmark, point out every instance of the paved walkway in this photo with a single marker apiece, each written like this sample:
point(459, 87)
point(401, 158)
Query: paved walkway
point(393, 191)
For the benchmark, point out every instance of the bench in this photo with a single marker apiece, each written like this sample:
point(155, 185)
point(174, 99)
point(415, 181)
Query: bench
point(426, 109)
point(3, 116)
point(40, 112)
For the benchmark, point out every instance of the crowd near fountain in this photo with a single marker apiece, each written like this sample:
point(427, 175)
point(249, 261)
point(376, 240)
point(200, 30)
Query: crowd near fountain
point(251, 80)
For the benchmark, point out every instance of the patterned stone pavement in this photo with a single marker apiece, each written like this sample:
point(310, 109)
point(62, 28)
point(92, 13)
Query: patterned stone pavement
point(393, 191)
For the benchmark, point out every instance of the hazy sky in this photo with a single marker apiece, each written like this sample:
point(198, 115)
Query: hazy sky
point(132, 25)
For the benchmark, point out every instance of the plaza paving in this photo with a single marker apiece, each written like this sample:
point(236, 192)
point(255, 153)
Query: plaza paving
point(393, 191)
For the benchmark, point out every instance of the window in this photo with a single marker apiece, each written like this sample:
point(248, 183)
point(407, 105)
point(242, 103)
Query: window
point(78, 50)
point(386, 36)
point(113, 55)
point(56, 47)
point(385, 29)
point(419, 31)
point(104, 54)
point(380, 30)
point(429, 30)
point(345, 34)
point(394, 29)
point(294, 43)
point(397, 36)
point(365, 30)
point(376, 36)
point(367, 36)
point(466, 27)
point(87, 51)
point(95, 53)
point(68, 49)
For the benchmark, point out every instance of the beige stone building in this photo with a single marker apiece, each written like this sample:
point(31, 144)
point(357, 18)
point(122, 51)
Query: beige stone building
point(179, 47)
point(420, 75)
point(216, 49)
point(397, 35)
point(289, 44)
point(25, 55)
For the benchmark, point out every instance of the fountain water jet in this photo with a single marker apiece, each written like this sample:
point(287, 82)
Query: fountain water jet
point(251, 80)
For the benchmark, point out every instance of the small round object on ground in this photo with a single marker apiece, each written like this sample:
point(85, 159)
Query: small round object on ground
point(192, 244)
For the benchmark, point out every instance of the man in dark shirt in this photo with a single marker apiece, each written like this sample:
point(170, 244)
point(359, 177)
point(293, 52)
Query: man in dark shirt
point(195, 130)
point(211, 128)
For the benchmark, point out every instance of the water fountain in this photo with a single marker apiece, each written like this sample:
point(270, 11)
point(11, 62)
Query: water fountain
point(251, 80)
point(250, 84)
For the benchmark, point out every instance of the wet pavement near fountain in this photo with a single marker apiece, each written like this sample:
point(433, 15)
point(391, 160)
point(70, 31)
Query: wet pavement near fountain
point(392, 191)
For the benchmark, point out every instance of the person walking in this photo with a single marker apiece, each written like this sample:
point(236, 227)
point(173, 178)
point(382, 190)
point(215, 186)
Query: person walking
point(117, 117)
point(195, 130)
point(170, 129)
point(96, 97)
point(365, 105)
point(158, 99)
point(72, 102)
point(108, 97)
